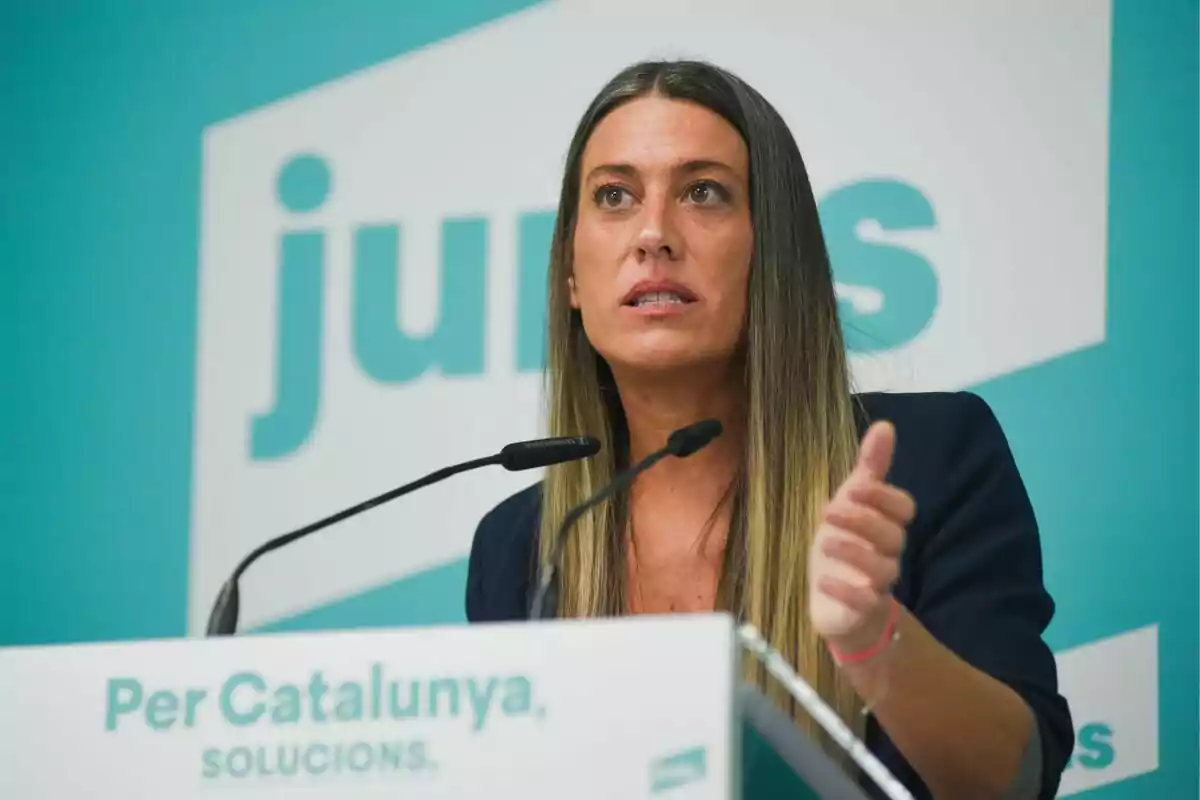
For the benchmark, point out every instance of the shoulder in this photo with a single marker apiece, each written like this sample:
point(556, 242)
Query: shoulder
point(502, 558)
point(953, 457)
point(943, 422)
point(948, 445)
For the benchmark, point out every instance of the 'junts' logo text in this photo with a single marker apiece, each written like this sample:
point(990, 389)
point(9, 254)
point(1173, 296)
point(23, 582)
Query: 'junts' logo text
point(888, 293)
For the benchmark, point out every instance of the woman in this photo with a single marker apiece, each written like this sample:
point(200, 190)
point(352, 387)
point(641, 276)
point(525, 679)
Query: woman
point(883, 543)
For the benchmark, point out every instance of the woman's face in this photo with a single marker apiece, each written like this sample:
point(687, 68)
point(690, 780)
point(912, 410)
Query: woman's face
point(663, 237)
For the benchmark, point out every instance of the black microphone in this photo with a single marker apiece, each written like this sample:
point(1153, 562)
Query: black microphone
point(223, 619)
point(681, 444)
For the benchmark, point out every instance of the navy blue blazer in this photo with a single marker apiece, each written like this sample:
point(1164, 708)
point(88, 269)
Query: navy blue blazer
point(971, 570)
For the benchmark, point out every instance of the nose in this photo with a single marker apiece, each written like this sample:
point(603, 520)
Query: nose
point(657, 237)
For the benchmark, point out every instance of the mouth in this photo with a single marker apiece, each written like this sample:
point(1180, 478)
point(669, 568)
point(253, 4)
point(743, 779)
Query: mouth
point(648, 295)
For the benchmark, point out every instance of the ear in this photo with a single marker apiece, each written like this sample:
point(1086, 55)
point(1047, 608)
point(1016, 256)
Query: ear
point(574, 294)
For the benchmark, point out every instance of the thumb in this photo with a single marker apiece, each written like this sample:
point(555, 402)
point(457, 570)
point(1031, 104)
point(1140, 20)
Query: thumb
point(875, 454)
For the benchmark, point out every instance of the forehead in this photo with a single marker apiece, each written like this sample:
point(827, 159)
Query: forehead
point(655, 132)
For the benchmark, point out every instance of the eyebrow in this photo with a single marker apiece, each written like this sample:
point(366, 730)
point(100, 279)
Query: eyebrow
point(686, 168)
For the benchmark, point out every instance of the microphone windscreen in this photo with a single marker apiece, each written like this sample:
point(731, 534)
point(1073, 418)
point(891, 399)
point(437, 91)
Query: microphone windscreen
point(685, 441)
point(544, 452)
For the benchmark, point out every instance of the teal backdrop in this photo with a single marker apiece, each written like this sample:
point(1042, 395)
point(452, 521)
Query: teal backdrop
point(103, 108)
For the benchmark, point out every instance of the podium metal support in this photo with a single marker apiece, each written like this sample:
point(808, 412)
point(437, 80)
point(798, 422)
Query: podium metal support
point(804, 756)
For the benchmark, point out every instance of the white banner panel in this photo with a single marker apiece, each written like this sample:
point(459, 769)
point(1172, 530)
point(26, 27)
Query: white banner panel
point(373, 250)
point(1112, 686)
point(603, 709)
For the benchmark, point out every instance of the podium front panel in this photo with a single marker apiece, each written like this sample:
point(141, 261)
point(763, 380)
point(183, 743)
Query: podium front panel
point(637, 707)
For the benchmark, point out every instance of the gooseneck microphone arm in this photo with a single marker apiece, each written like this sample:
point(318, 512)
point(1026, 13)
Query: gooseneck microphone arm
point(546, 598)
point(681, 444)
point(223, 619)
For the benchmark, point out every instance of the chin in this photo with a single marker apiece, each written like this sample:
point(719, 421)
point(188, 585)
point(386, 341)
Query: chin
point(664, 358)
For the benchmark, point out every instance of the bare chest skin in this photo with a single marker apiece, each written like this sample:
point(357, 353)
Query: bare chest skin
point(674, 560)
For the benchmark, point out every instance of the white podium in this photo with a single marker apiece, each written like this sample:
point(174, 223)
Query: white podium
point(645, 707)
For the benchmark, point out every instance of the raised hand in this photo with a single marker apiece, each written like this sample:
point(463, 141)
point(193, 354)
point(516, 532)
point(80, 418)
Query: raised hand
point(855, 556)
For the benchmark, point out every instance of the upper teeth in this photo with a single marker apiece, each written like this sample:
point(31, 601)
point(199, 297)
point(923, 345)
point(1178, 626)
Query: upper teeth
point(657, 297)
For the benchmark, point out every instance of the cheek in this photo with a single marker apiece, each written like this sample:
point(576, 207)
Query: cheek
point(731, 315)
point(591, 260)
point(731, 267)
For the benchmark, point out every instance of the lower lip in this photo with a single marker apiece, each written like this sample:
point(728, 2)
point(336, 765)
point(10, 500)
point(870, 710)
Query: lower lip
point(659, 310)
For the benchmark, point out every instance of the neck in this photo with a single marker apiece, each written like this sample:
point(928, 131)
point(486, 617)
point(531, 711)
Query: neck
point(656, 406)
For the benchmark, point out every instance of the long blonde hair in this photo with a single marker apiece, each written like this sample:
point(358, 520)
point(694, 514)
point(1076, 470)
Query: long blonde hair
point(801, 435)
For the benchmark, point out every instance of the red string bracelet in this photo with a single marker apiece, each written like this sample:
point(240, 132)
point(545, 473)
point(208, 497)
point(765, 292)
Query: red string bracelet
point(889, 635)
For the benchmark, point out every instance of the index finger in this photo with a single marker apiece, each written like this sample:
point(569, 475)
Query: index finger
point(891, 501)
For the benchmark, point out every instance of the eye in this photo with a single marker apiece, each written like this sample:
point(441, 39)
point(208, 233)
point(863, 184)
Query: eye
point(611, 197)
point(706, 193)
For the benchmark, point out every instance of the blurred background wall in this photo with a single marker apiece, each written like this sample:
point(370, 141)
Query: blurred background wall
point(260, 261)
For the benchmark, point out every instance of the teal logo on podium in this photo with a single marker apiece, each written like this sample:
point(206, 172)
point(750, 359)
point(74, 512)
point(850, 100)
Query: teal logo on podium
point(679, 769)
